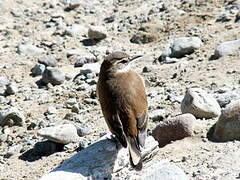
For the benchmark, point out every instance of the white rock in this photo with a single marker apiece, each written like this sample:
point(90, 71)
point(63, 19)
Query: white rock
point(97, 32)
point(64, 134)
point(201, 104)
point(226, 48)
point(28, 49)
point(3, 81)
point(98, 161)
point(181, 47)
point(76, 30)
point(161, 170)
point(90, 68)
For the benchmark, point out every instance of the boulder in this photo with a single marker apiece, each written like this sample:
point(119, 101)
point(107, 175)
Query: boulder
point(201, 104)
point(63, 134)
point(175, 128)
point(228, 125)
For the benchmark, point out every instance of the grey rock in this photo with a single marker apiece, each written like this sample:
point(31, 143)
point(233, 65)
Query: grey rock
point(51, 110)
point(226, 48)
point(53, 76)
point(3, 81)
point(201, 104)
point(38, 70)
point(81, 60)
point(97, 32)
point(74, 117)
point(48, 61)
point(76, 30)
point(225, 17)
point(30, 50)
point(72, 4)
point(70, 102)
point(161, 170)
point(63, 134)
point(11, 117)
point(13, 150)
point(225, 98)
point(181, 47)
point(175, 128)
point(2, 91)
point(228, 125)
point(11, 89)
point(143, 38)
point(84, 130)
point(98, 161)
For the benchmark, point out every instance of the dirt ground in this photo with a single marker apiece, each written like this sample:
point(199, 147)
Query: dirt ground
point(44, 23)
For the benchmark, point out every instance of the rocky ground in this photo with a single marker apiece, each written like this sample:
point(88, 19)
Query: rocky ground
point(54, 36)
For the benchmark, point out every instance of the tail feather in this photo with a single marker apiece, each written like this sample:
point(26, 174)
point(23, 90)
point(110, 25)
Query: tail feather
point(134, 153)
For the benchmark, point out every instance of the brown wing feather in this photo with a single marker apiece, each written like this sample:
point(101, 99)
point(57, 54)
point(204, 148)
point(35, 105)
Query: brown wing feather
point(125, 99)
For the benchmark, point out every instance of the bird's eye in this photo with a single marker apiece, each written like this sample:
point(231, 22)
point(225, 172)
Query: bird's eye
point(123, 61)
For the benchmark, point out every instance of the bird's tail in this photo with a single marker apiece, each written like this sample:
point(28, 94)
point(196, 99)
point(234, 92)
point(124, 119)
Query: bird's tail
point(134, 153)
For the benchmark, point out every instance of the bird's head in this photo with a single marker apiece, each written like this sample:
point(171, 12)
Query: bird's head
point(117, 62)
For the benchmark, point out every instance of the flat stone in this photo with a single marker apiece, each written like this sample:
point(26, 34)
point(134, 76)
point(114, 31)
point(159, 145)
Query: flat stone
point(228, 125)
point(201, 104)
point(90, 68)
point(175, 128)
point(30, 50)
point(48, 61)
point(63, 134)
point(98, 161)
point(226, 48)
point(53, 76)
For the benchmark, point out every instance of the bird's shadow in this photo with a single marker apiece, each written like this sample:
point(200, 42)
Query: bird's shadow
point(96, 161)
point(45, 148)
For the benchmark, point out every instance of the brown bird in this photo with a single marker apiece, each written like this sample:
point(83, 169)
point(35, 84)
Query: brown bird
point(123, 100)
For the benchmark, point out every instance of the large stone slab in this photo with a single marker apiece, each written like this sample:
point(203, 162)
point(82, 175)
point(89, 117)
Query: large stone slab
point(98, 161)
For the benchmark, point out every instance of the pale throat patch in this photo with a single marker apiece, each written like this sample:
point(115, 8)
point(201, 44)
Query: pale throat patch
point(125, 69)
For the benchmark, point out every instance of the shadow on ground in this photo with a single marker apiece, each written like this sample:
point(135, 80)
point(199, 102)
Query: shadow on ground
point(41, 149)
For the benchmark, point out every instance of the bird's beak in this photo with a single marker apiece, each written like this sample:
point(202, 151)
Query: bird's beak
point(134, 57)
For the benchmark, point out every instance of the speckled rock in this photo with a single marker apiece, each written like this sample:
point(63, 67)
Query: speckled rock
point(175, 128)
point(201, 104)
